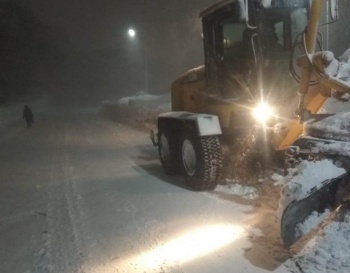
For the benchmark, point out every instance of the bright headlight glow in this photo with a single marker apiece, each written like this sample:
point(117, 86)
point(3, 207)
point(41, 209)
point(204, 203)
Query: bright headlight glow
point(194, 243)
point(262, 112)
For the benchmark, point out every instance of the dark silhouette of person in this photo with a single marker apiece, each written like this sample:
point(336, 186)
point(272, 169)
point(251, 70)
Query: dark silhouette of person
point(28, 116)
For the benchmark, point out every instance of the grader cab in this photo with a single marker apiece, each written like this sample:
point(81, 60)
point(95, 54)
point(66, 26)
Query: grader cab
point(247, 51)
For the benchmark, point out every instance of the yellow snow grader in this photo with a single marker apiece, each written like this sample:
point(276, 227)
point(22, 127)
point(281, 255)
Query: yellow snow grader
point(249, 48)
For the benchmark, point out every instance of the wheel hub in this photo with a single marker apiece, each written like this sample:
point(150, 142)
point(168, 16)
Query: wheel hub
point(164, 148)
point(189, 157)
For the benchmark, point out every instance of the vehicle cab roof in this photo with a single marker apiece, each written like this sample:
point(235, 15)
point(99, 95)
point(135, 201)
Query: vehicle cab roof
point(215, 7)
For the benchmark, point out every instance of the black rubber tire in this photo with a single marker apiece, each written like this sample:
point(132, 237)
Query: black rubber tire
point(170, 158)
point(343, 191)
point(208, 167)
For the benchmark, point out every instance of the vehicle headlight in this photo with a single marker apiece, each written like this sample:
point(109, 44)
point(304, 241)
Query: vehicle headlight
point(263, 112)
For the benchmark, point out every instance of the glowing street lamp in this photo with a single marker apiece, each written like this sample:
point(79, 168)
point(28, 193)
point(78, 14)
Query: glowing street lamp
point(132, 35)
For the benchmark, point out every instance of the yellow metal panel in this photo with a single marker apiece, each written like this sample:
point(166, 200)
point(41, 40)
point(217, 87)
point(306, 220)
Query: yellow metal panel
point(294, 131)
point(314, 102)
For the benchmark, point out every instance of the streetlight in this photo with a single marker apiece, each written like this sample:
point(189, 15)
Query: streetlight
point(132, 34)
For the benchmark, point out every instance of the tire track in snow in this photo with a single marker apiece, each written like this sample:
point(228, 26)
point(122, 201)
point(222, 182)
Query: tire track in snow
point(73, 198)
point(61, 252)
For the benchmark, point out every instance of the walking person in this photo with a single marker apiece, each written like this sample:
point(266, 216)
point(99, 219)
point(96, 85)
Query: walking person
point(28, 116)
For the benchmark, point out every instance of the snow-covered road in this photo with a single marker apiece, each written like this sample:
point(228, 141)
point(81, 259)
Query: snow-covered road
point(81, 194)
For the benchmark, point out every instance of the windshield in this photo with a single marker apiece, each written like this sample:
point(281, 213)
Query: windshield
point(280, 29)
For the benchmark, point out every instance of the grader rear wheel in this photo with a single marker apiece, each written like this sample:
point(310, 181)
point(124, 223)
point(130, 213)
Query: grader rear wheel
point(168, 154)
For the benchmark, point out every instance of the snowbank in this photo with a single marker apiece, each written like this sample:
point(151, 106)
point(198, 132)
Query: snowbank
point(146, 100)
point(329, 251)
point(140, 110)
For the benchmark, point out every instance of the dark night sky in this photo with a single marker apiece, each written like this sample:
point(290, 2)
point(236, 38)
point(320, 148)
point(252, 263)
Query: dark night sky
point(100, 57)
point(92, 56)
point(90, 24)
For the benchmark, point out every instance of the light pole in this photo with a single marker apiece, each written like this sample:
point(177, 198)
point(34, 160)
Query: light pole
point(132, 35)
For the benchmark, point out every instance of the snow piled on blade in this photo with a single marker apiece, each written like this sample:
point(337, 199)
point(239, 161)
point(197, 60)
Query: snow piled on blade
point(310, 175)
point(333, 105)
point(307, 176)
point(328, 252)
point(311, 222)
point(335, 148)
point(333, 127)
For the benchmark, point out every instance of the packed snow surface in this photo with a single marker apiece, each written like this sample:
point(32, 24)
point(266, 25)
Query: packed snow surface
point(238, 189)
point(82, 194)
point(329, 251)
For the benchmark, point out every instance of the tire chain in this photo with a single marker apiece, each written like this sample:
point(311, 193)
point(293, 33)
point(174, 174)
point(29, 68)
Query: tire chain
point(212, 151)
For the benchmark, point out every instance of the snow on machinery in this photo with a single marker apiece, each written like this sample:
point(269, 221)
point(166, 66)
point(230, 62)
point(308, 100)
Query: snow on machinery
point(320, 157)
point(248, 50)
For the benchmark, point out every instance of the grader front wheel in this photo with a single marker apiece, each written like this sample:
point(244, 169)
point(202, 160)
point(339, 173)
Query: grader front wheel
point(201, 160)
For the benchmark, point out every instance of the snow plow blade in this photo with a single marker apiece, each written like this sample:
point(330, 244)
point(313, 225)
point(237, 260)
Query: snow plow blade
point(298, 211)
